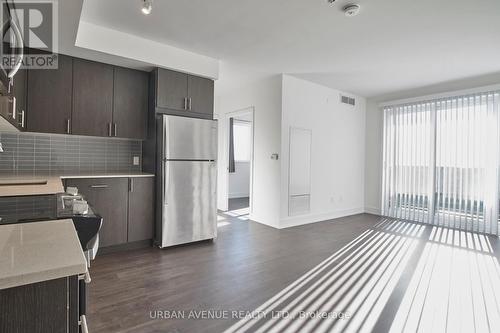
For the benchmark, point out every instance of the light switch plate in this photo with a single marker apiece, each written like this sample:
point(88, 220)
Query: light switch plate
point(136, 160)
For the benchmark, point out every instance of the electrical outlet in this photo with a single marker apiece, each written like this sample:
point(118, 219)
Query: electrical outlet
point(136, 160)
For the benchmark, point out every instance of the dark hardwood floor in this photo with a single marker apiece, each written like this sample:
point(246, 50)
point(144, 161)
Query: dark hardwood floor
point(242, 268)
point(379, 274)
point(238, 203)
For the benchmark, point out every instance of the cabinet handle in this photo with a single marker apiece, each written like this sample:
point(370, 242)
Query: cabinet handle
point(110, 129)
point(83, 324)
point(12, 100)
point(22, 120)
point(190, 103)
point(85, 277)
point(185, 103)
point(68, 126)
point(115, 128)
point(131, 185)
point(99, 186)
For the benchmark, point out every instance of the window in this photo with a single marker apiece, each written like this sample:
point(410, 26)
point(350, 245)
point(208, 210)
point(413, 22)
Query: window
point(441, 162)
point(242, 132)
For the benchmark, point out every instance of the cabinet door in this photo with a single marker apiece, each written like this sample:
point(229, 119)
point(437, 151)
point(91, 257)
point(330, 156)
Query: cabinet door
point(109, 197)
point(20, 91)
point(49, 98)
point(171, 89)
point(141, 209)
point(40, 307)
point(130, 106)
point(201, 95)
point(92, 98)
point(13, 107)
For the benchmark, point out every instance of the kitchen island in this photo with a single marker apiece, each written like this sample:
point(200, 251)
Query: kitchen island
point(40, 266)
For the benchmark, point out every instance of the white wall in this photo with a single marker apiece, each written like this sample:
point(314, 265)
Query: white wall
point(125, 45)
point(264, 95)
point(373, 167)
point(239, 181)
point(374, 130)
point(338, 149)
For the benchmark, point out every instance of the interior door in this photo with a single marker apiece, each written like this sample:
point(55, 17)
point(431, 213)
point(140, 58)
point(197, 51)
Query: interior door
point(299, 187)
point(189, 202)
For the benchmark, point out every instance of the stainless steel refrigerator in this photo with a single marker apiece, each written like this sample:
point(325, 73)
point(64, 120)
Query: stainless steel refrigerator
point(187, 209)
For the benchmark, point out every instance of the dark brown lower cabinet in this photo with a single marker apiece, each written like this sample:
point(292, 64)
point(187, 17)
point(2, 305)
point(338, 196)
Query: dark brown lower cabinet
point(125, 204)
point(48, 306)
point(141, 209)
point(109, 197)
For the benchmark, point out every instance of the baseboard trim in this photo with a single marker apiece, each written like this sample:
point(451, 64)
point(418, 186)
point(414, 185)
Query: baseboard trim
point(373, 210)
point(308, 219)
point(259, 220)
point(124, 247)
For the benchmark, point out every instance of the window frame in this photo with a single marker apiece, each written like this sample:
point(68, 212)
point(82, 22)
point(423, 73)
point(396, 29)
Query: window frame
point(246, 123)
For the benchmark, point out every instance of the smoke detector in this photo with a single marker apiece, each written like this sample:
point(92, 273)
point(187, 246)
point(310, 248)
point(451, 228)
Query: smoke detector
point(351, 10)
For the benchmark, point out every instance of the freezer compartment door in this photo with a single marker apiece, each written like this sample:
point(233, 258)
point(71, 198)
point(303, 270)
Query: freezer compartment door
point(189, 202)
point(189, 138)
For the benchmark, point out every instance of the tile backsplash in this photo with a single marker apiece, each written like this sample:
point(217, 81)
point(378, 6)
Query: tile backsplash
point(55, 154)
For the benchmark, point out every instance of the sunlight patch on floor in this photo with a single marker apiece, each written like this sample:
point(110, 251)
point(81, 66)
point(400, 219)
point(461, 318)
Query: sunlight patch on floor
point(238, 212)
point(452, 284)
point(455, 287)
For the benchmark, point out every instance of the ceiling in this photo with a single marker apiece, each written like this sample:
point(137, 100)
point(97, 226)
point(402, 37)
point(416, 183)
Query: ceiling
point(391, 45)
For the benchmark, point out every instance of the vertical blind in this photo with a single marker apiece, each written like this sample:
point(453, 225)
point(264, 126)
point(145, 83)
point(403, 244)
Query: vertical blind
point(441, 162)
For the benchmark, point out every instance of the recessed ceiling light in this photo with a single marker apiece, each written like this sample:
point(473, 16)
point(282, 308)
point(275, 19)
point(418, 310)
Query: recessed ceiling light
point(147, 7)
point(351, 10)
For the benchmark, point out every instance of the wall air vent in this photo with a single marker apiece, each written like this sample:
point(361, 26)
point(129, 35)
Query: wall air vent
point(347, 100)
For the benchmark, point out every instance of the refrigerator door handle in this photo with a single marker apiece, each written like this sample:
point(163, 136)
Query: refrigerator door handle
point(164, 171)
point(166, 179)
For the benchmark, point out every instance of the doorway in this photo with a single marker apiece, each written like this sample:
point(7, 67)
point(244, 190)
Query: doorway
point(240, 161)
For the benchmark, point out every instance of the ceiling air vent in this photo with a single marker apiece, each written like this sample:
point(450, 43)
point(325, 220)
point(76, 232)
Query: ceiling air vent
point(347, 100)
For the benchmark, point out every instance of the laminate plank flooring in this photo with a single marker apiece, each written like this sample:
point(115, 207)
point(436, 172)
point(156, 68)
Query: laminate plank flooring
point(373, 274)
point(238, 203)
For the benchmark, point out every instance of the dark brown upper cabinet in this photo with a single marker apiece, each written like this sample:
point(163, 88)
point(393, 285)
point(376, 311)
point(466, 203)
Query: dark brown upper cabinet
point(201, 95)
point(49, 98)
point(19, 91)
point(171, 90)
point(92, 98)
point(13, 106)
point(130, 103)
point(183, 94)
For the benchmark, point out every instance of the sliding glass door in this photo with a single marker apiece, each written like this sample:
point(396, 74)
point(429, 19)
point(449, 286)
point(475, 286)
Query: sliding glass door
point(441, 162)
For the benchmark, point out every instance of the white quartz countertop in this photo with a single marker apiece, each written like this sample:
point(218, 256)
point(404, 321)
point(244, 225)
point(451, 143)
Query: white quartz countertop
point(45, 185)
point(29, 185)
point(108, 175)
point(39, 251)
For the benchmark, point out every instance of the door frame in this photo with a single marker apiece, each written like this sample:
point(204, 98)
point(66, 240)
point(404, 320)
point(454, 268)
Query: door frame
point(225, 170)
